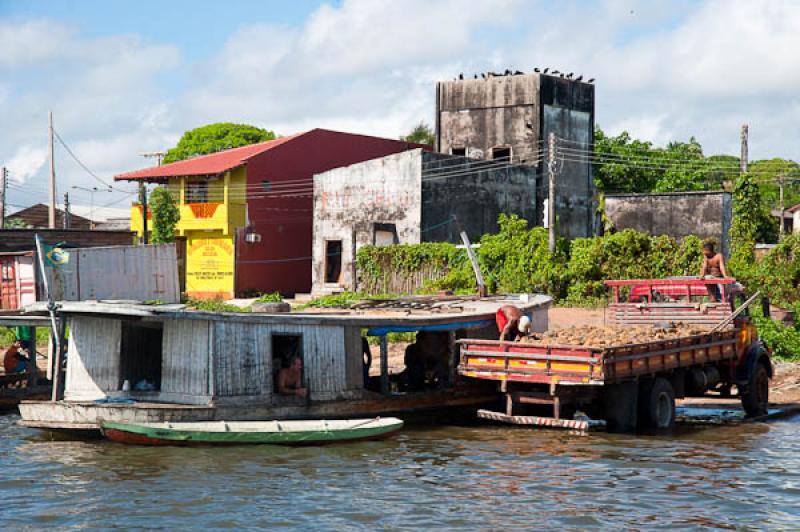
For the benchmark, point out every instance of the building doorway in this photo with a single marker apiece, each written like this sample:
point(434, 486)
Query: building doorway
point(333, 261)
point(141, 355)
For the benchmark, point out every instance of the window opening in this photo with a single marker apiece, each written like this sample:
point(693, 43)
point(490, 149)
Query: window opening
point(502, 153)
point(459, 151)
point(141, 355)
point(385, 235)
point(197, 192)
point(287, 364)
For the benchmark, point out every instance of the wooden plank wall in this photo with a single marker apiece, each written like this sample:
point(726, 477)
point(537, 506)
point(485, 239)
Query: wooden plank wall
point(243, 359)
point(185, 370)
point(93, 361)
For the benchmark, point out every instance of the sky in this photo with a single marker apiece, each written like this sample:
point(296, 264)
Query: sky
point(122, 78)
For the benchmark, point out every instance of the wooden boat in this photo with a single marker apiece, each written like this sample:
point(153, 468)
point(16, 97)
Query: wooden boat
point(251, 432)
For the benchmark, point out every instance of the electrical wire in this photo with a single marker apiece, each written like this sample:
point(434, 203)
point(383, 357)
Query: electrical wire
point(80, 163)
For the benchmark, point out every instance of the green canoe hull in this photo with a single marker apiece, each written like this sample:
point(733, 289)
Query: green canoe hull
point(143, 434)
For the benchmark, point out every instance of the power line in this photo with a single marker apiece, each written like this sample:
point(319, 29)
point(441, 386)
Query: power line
point(80, 163)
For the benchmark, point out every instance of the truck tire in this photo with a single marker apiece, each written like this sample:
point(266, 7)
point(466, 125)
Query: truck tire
point(755, 394)
point(657, 405)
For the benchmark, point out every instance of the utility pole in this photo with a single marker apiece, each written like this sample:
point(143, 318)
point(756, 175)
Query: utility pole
point(3, 184)
point(782, 206)
point(67, 214)
point(143, 201)
point(143, 192)
point(743, 158)
point(551, 192)
point(51, 218)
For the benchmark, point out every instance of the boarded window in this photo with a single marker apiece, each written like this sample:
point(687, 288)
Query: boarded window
point(385, 235)
point(333, 261)
point(141, 355)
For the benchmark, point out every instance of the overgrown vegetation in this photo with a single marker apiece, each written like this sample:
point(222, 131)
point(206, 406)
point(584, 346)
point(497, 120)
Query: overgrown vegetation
point(421, 134)
point(272, 297)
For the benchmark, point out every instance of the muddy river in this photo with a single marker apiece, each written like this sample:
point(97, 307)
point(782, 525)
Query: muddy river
point(476, 477)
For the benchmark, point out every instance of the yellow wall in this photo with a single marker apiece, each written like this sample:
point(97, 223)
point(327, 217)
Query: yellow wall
point(209, 265)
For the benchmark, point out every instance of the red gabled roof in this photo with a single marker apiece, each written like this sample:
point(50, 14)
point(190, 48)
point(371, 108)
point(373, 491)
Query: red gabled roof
point(211, 164)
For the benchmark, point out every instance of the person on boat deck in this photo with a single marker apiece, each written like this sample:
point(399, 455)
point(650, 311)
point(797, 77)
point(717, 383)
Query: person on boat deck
point(290, 379)
point(14, 361)
point(511, 322)
point(713, 268)
point(426, 361)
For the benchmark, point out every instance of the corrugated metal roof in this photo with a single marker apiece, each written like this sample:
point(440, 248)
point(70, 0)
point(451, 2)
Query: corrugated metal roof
point(211, 164)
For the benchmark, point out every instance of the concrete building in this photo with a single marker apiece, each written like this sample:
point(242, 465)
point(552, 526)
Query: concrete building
point(509, 118)
point(408, 198)
point(676, 214)
point(246, 212)
point(790, 218)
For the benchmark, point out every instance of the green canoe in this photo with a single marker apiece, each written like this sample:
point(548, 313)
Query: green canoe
point(243, 432)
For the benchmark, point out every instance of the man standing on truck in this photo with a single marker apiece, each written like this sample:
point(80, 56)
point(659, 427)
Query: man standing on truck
point(713, 268)
point(511, 322)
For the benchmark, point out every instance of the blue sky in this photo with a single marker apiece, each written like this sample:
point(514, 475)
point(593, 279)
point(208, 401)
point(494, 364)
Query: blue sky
point(126, 77)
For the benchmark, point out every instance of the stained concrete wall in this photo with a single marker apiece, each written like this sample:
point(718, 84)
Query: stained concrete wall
point(350, 201)
point(476, 193)
point(677, 214)
point(519, 112)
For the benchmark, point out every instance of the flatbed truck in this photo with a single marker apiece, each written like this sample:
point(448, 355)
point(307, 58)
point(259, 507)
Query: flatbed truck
point(631, 386)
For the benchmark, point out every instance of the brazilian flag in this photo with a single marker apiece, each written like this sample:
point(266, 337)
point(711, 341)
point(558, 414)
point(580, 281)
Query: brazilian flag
point(54, 256)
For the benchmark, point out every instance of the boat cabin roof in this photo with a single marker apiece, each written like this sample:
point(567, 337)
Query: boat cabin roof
point(404, 314)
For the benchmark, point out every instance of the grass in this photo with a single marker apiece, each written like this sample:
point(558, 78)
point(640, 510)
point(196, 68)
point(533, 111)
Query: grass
point(273, 297)
point(214, 305)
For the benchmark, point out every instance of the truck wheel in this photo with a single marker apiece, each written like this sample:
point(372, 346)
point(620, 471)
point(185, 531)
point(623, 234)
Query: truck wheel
point(755, 395)
point(657, 407)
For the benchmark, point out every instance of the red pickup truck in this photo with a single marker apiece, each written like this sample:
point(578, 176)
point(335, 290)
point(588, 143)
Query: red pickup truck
point(630, 386)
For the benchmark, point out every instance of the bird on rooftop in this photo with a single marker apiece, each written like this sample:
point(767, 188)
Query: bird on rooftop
point(507, 72)
point(579, 78)
point(536, 69)
point(569, 76)
point(591, 80)
point(461, 76)
point(556, 72)
point(483, 75)
point(561, 76)
point(476, 76)
point(518, 73)
point(545, 70)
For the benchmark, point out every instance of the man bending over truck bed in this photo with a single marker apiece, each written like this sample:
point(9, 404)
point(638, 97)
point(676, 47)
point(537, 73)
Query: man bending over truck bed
point(511, 323)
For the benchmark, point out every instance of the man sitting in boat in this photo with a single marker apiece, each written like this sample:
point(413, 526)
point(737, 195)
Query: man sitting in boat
point(426, 361)
point(511, 323)
point(290, 379)
point(14, 361)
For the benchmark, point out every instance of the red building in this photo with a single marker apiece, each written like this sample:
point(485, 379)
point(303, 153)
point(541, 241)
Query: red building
point(247, 212)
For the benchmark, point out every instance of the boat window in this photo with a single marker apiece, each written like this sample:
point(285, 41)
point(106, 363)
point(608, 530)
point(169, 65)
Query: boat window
point(333, 261)
point(285, 348)
point(141, 355)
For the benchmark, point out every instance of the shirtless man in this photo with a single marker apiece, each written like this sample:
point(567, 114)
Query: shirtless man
point(713, 268)
point(290, 379)
point(511, 322)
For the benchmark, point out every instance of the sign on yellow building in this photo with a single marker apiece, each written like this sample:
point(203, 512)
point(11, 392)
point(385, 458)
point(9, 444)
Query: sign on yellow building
point(209, 267)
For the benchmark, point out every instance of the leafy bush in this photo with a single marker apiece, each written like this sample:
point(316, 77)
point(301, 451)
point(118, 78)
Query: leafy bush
point(273, 297)
point(214, 305)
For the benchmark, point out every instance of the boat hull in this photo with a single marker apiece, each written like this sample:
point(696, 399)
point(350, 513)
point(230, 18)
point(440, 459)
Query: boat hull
point(141, 434)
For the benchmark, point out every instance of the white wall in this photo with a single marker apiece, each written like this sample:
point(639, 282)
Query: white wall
point(348, 201)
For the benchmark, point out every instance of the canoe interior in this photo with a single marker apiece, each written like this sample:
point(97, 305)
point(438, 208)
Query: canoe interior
point(266, 426)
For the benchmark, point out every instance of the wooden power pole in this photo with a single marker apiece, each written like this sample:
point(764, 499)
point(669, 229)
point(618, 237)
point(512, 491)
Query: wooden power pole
point(51, 212)
point(551, 192)
point(743, 158)
point(782, 206)
point(3, 184)
point(67, 214)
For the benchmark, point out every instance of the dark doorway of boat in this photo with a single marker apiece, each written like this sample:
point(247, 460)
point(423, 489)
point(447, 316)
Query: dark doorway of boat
point(141, 356)
point(288, 375)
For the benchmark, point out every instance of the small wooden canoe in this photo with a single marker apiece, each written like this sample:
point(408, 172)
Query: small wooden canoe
point(250, 432)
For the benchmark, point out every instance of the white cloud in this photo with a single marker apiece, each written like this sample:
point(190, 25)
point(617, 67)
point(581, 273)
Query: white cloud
point(26, 161)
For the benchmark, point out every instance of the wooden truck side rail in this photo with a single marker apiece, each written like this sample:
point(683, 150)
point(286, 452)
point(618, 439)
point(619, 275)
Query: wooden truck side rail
point(564, 364)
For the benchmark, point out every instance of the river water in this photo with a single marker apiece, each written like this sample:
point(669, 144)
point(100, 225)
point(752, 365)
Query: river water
point(476, 477)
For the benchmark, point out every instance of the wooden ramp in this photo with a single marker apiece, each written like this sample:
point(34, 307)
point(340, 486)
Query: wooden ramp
point(550, 422)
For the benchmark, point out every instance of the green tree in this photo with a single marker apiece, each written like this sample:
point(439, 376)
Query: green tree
point(165, 215)
point(619, 167)
point(421, 134)
point(216, 137)
point(16, 223)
